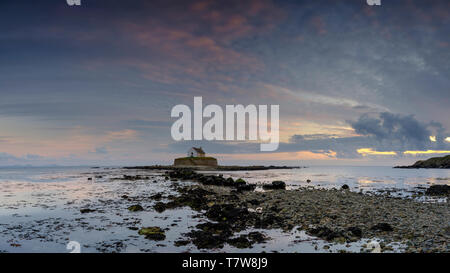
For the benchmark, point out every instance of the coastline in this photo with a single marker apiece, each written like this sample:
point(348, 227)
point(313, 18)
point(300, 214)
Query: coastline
point(213, 168)
point(104, 209)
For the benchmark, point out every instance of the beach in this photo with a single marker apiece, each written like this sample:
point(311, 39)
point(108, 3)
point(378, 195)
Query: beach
point(47, 208)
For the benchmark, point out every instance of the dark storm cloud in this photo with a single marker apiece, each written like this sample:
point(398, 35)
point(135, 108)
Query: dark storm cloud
point(393, 127)
point(383, 132)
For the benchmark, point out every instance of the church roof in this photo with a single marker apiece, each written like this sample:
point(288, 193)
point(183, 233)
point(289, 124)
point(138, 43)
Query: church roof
point(198, 150)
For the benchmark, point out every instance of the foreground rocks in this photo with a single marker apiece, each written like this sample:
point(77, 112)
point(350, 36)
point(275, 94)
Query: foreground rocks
point(153, 233)
point(212, 168)
point(216, 180)
point(438, 190)
point(338, 216)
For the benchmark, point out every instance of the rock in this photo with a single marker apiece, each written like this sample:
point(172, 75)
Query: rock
point(181, 242)
point(229, 182)
point(276, 185)
point(206, 240)
point(89, 179)
point(257, 237)
point(87, 210)
point(246, 187)
point(153, 233)
point(382, 227)
point(227, 212)
point(355, 231)
point(221, 228)
point(345, 187)
point(239, 181)
point(308, 181)
point(438, 190)
point(156, 197)
point(326, 233)
point(268, 220)
point(160, 207)
point(135, 208)
point(240, 242)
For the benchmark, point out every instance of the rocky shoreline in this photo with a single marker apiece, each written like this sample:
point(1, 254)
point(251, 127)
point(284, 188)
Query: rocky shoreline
point(337, 215)
point(212, 168)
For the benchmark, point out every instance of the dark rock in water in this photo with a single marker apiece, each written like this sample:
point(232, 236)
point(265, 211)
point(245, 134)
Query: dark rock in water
point(240, 181)
point(240, 242)
point(246, 187)
point(221, 228)
point(133, 228)
point(206, 240)
point(153, 233)
point(135, 208)
point(124, 196)
point(308, 181)
point(268, 221)
point(227, 212)
point(160, 207)
point(215, 180)
point(355, 231)
point(229, 181)
point(181, 242)
point(90, 179)
point(257, 237)
point(156, 197)
point(345, 187)
point(87, 210)
point(382, 227)
point(276, 185)
point(326, 233)
point(438, 190)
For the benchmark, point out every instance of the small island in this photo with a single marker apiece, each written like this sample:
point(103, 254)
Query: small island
point(432, 163)
point(196, 158)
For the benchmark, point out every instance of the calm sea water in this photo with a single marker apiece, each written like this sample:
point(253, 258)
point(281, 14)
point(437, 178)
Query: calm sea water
point(326, 176)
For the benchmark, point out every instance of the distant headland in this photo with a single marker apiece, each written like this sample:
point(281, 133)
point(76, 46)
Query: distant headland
point(432, 163)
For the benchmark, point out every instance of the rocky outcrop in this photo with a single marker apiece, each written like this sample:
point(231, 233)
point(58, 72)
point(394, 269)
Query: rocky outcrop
point(432, 163)
point(438, 190)
point(217, 168)
point(196, 161)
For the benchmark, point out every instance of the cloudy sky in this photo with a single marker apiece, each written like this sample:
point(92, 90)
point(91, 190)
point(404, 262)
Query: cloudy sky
point(95, 84)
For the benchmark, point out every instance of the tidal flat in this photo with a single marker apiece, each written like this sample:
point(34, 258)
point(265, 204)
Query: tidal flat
point(129, 210)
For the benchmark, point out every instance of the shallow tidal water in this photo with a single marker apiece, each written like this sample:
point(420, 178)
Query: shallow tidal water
point(40, 207)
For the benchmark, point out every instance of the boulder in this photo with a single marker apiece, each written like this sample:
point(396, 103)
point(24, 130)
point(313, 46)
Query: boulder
point(276, 185)
point(135, 208)
point(153, 233)
point(438, 190)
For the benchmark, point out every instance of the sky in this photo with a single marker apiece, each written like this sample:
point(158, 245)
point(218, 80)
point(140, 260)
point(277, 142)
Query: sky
point(95, 84)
